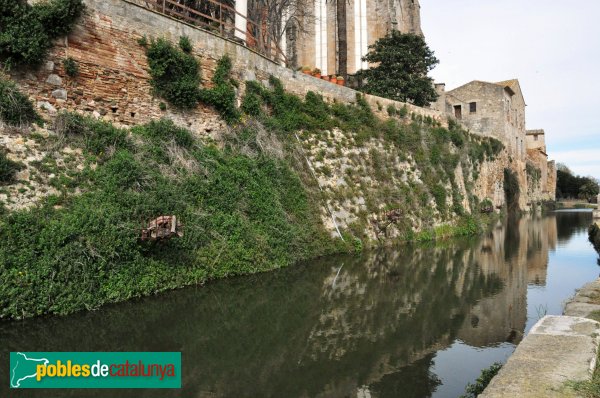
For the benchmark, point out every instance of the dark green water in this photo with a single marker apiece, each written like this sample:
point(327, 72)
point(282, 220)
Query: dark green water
point(404, 322)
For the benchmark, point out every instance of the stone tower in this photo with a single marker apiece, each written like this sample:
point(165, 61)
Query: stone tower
point(315, 43)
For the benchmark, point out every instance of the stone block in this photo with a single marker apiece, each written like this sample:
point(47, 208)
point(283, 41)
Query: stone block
point(54, 79)
point(60, 94)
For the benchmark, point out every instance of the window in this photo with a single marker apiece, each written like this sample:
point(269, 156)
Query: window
point(473, 107)
point(458, 111)
point(535, 137)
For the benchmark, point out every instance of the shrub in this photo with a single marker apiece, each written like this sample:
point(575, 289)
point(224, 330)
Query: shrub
point(162, 106)
point(28, 30)
point(95, 136)
point(185, 44)
point(143, 41)
point(473, 390)
point(15, 107)
point(175, 74)
point(8, 169)
point(71, 67)
point(222, 95)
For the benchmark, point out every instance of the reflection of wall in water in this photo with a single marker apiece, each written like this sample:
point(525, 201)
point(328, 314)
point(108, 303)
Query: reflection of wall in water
point(518, 255)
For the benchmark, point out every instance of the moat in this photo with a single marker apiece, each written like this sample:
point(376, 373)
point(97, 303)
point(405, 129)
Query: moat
point(411, 321)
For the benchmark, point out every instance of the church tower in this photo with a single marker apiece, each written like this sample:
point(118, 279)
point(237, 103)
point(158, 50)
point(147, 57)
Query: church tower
point(316, 43)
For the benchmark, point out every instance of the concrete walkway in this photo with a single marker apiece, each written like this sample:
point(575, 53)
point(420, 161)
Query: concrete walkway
point(586, 302)
point(556, 350)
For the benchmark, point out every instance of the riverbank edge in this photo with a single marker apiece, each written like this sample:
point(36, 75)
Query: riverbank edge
point(559, 355)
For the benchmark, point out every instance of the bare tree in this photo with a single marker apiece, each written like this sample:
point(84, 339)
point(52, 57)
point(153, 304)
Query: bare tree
point(277, 19)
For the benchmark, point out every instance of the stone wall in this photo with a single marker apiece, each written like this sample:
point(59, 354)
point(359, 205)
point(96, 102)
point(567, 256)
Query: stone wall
point(113, 82)
point(499, 112)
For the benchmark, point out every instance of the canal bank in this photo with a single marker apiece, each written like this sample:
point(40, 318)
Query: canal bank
point(558, 358)
point(384, 321)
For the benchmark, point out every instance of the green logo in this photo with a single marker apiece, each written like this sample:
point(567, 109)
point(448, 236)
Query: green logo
point(95, 370)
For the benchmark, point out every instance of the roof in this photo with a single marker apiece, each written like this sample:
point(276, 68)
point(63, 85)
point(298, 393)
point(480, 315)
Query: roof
point(511, 85)
point(536, 132)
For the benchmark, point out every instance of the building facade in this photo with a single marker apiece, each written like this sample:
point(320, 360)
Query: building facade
point(316, 44)
point(492, 110)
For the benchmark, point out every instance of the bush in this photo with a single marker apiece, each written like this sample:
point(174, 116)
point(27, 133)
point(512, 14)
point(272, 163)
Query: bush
point(222, 95)
point(473, 390)
point(71, 67)
point(8, 169)
point(175, 74)
point(185, 44)
point(15, 107)
point(27, 32)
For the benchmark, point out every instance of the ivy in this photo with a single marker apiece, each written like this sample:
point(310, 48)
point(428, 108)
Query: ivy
point(27, 31)
point(175, 74)
point(222, 95)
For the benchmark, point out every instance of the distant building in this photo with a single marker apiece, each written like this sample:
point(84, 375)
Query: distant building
point(536, 153)
point(491, 110)
point(498, 110)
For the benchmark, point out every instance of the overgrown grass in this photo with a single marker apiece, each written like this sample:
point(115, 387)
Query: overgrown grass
point(8, 169)
point(27, 31)
point(241, 215)
point(15, 107)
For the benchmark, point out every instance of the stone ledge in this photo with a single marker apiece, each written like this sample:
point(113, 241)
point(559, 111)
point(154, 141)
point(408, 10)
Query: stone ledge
point(556, 350)
point(585, 302)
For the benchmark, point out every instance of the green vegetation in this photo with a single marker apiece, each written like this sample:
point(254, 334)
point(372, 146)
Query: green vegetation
point(15, 107)
point(534, 174)
point(222, 95)
point(27, 31)
point(594, 236)
point(473, 390)
point(241, 215)
point(511, 190)
point(434, 150)
point(571, 186)
point(176, 77)
point(71, 67)
point(175, 74)
point(589, 389)
point(8, 168)
point(185, 44)
point(403, 61)
point(251, 206)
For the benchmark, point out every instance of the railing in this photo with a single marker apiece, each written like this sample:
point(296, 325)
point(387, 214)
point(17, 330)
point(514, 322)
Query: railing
point(220, 18)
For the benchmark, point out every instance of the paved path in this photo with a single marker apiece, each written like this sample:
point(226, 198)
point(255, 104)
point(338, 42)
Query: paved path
point(556, 350)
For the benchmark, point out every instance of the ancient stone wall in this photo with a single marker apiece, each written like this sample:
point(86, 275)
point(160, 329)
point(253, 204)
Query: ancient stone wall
point(113, 82)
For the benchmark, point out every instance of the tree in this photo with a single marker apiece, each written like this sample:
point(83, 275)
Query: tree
point(402, 63)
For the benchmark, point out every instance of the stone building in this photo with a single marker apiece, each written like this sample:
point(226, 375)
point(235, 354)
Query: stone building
point(536, 154)
point(315, 44)
point(492, 110)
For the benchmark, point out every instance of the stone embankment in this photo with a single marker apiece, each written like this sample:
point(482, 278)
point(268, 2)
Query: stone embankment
point(557, 350)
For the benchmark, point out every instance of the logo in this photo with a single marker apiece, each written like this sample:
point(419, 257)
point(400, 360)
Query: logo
point(95, 370)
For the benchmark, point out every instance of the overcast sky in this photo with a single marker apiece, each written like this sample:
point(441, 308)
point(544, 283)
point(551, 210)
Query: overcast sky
point(551, 46)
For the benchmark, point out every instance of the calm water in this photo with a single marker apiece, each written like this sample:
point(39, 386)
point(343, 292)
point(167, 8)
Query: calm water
point(405, 322)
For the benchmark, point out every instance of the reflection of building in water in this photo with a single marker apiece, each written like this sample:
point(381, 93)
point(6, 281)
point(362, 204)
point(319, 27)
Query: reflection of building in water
point(519, 256)
point(542, 237)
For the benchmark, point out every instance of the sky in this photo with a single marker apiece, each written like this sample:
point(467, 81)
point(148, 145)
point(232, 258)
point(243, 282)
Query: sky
point(551, 46)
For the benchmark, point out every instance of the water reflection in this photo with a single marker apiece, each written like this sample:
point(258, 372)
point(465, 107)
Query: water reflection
point(368, 325)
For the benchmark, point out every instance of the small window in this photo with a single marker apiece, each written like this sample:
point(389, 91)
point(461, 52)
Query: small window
point(473, 107)
point(535, 137)
point(458, 111)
